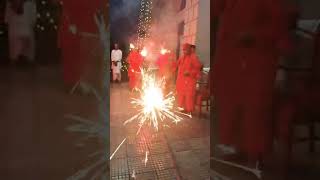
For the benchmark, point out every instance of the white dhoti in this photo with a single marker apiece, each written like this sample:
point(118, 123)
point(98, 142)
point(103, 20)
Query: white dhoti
point(116, 56)
point(116, 70)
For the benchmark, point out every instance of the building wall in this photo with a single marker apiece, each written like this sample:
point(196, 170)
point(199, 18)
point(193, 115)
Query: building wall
point(203, 32)
point(196, 17)
point(190, 16)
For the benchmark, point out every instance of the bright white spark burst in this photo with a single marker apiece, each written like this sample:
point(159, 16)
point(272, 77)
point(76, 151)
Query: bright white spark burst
point(153, 106)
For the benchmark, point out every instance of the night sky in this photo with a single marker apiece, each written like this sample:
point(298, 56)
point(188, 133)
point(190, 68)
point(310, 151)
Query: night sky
point(124, 16)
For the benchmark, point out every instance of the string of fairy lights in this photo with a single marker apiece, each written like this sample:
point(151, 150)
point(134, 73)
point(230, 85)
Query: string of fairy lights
point(145, 17)
point(47, 15)
point(144, 22)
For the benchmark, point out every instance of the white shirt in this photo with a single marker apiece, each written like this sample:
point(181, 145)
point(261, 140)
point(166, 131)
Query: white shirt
point(116, 55)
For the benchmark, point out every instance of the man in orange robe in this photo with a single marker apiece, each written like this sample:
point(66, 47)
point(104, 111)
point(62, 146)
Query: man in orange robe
point(188, 72)
point(166, 69)
point(135, 61)
point(249, 37)
point(90, 46)
point(69, 43)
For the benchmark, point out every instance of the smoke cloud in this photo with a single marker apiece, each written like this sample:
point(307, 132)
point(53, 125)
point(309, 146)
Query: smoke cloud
point(123, 8)
point(164, 26)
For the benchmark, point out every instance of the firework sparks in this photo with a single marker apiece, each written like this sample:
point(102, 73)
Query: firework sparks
point(118, 148)
point(146, 158)
point(153, 106)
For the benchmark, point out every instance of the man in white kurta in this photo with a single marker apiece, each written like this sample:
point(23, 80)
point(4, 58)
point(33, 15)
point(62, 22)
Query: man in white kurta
point(116, 57)
point(21, 30)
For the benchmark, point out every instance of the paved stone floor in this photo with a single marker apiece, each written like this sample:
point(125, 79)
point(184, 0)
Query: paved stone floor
point(176, 152)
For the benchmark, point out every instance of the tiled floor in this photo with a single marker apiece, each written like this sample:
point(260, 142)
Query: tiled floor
point(180, 151)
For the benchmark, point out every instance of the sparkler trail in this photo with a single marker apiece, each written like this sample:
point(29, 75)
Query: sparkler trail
point(146, 158)
point(118, 148)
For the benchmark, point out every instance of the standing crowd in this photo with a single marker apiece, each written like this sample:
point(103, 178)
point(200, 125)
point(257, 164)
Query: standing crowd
point(180, 76)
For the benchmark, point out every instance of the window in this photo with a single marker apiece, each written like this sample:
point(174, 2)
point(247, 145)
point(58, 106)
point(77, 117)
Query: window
point(183, 4)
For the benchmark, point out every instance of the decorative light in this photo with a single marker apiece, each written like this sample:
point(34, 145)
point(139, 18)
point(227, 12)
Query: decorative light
point(163, 51)
point(144, 52)
point(144, 21)
point(131, 46)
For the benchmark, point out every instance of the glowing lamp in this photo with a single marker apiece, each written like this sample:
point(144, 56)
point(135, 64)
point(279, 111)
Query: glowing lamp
point(144, 52)
point(163, 51)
